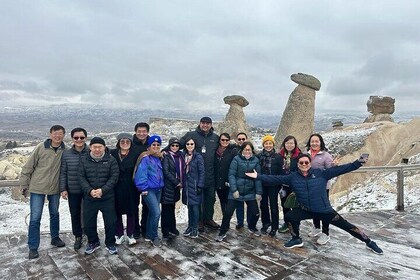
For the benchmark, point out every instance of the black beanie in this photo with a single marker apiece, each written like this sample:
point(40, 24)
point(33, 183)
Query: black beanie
point(97, 140)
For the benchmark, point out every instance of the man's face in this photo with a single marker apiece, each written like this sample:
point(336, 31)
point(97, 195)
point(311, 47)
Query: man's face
point(141, 133)
point(240, 139)
point(97, 149)
point(304, 164)
point(57, 137)
point(79, 139)
point(205, 126)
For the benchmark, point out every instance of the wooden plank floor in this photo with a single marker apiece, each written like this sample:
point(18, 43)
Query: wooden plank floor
point(240, 256)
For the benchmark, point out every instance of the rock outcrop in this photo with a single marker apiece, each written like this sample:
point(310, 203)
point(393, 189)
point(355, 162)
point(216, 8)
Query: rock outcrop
point(299, 114)
point(234, 121)
point(11, 166)
point(381, 108)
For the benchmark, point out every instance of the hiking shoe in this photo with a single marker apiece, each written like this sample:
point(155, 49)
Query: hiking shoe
point(212, 224)
point(78, 243)
point(57, 242)
point(174, 232)
point(239, 226)
point(131, 240)
point(194, 233)
point(187, 232)
point(283, 229)
point(33, 254)
point(294, 242)
point(91, 247)
point(374, 248)
point(254, 232)
point(314, 232)
point(157, 243)
point(323, 239)
point(220, 237)
point(119, 239)
point(264, 229)
point(272, 233)
point(112, 249)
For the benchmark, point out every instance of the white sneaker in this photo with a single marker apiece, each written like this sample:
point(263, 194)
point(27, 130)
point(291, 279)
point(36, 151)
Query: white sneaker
point(314, 232)
point(131, 240)
point(119, 240)
point(323, 239)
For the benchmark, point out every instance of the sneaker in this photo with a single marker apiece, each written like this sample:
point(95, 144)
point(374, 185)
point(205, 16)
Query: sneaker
point(57, 242)
point(187, 232)
point(174, 232)
point(157, 243)
point(201, 227)
point(294, 242)
point(220, 237)
point(131, 240)
point(374, 248)
point(78, 243)
point(119, 240)
point(194, 233)
point(33, 254)
point(264, 229)
point(314, 232)
point(283, 229)
point(323, 239)
point(147, 239)
point(239, 226)
point(272, 233)
point(91, 247)
point(112, 249)
point(254, 232)
point(212, 224)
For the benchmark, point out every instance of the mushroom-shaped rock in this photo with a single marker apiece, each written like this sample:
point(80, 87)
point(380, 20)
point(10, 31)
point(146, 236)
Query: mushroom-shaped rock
point(236, 99)
point(306, 80)
point(381, 105)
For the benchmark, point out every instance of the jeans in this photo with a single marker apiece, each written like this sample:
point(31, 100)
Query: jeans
point(75, 206)
point(37, 205)
point(193, 216)
point(252, 214)
point(152, 200)
point(240, 212)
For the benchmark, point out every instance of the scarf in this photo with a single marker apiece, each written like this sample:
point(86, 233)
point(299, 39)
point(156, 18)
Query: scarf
point(97, 159)
point(188, 159)
point(265, 161)
point(220, 150)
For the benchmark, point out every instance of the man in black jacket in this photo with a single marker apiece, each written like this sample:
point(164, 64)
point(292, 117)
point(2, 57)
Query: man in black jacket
point(98, 175)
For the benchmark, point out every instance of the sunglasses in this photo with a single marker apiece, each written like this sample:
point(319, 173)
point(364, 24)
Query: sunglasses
point(174, 145)
point(156, 145)
point(125, 141)
point(77, 138)
point(189, 144)
point(241, 139)
point(225, 140)
point(304, 162)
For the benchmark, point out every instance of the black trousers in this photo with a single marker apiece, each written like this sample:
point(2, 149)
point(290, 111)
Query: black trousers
point(207, 206)
point(223, 193)
point(294, 217)
point(167, 219)
point(90, 217)
point(75, 206)
point(252, 214)
point(269, 206)
point(325, 225)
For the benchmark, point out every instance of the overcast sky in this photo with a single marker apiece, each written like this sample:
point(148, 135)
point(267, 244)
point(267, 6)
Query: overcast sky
point(190, 54)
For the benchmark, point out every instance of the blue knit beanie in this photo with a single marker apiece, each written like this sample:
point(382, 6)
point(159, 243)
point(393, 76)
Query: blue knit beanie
point(154, 138)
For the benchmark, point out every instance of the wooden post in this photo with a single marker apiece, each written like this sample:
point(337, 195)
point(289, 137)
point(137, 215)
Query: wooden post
point(400, 190)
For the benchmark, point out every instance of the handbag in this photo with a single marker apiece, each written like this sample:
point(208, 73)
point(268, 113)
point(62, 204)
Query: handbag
point(291, 201)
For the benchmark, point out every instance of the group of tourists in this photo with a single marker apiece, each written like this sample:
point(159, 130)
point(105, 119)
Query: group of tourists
point(193, 169)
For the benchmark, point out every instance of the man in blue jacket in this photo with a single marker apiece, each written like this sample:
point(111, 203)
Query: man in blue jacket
point(309, 186)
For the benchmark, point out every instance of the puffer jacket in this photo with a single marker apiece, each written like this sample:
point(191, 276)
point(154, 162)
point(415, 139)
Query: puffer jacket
point(149, 174)
point(194, 180)
point(221, 167)
point(41, 172)
point(310, 190)
point(322, 160)
point(69, 170)
point(210, 141)
point(171, 193)
point(101, 174)
point(248, 188)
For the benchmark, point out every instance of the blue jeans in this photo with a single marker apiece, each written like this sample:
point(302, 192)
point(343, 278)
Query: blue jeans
point(152, 200)
point(193, 216)
point(240, 212)
point(37, 205)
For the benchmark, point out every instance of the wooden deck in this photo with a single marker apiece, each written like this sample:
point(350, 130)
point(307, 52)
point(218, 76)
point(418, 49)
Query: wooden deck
point(240, 256)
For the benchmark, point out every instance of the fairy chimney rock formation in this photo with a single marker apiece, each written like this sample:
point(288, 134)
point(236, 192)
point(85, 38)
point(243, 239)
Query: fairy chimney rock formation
point(234, 121)
point(298, 116)
point(381, 108)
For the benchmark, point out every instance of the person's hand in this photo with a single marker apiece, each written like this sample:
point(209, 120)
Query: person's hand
point(93, 194)
point(363, 158)
point(64, 195)
point(24, 192)
point(252, 174)
point(99, 193)
point(227, 184)
point(235, 195)
point(144, 193)
point(199, 190)
point(258, 197)
point(336, 161)
point(179, 186)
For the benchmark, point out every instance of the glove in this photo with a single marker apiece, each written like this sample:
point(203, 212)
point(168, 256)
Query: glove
point(258, 197)
point(236, 195)
point(199, 190)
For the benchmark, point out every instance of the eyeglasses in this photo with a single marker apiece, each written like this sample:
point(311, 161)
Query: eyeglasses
point(125, 141)
point(155, 145)
point(225, 140)
point(189, 144)
point(79, 137)
point(304, 162)
point(241, 139)
point(174, 145)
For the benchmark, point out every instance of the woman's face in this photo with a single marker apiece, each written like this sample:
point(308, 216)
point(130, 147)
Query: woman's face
point(125, 144)
point(155, 147)
point(224, 141)
point(315, 143)
point(247, 151)
point(190, 145)
point(174, 147)
point(290, 145)
point(268, 146)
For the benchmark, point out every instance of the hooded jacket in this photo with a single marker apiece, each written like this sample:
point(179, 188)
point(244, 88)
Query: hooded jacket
point(194, 180)
point(247, 187)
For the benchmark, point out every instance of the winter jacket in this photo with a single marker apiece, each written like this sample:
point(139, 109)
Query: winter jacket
point(69, 170)
point(310, 190)
point(206, 145)
point(102, 174)
point(293, 161)
point(125, 190)
point(171, 192)
point(221, 167)
point(248, 188)
point(149, 174)
point(41, 172)
point(139, 147)
point(322, 160)
point(194, 180)
point(276, 164)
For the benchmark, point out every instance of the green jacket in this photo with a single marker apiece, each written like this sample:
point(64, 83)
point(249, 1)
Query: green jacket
point(41, 172)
